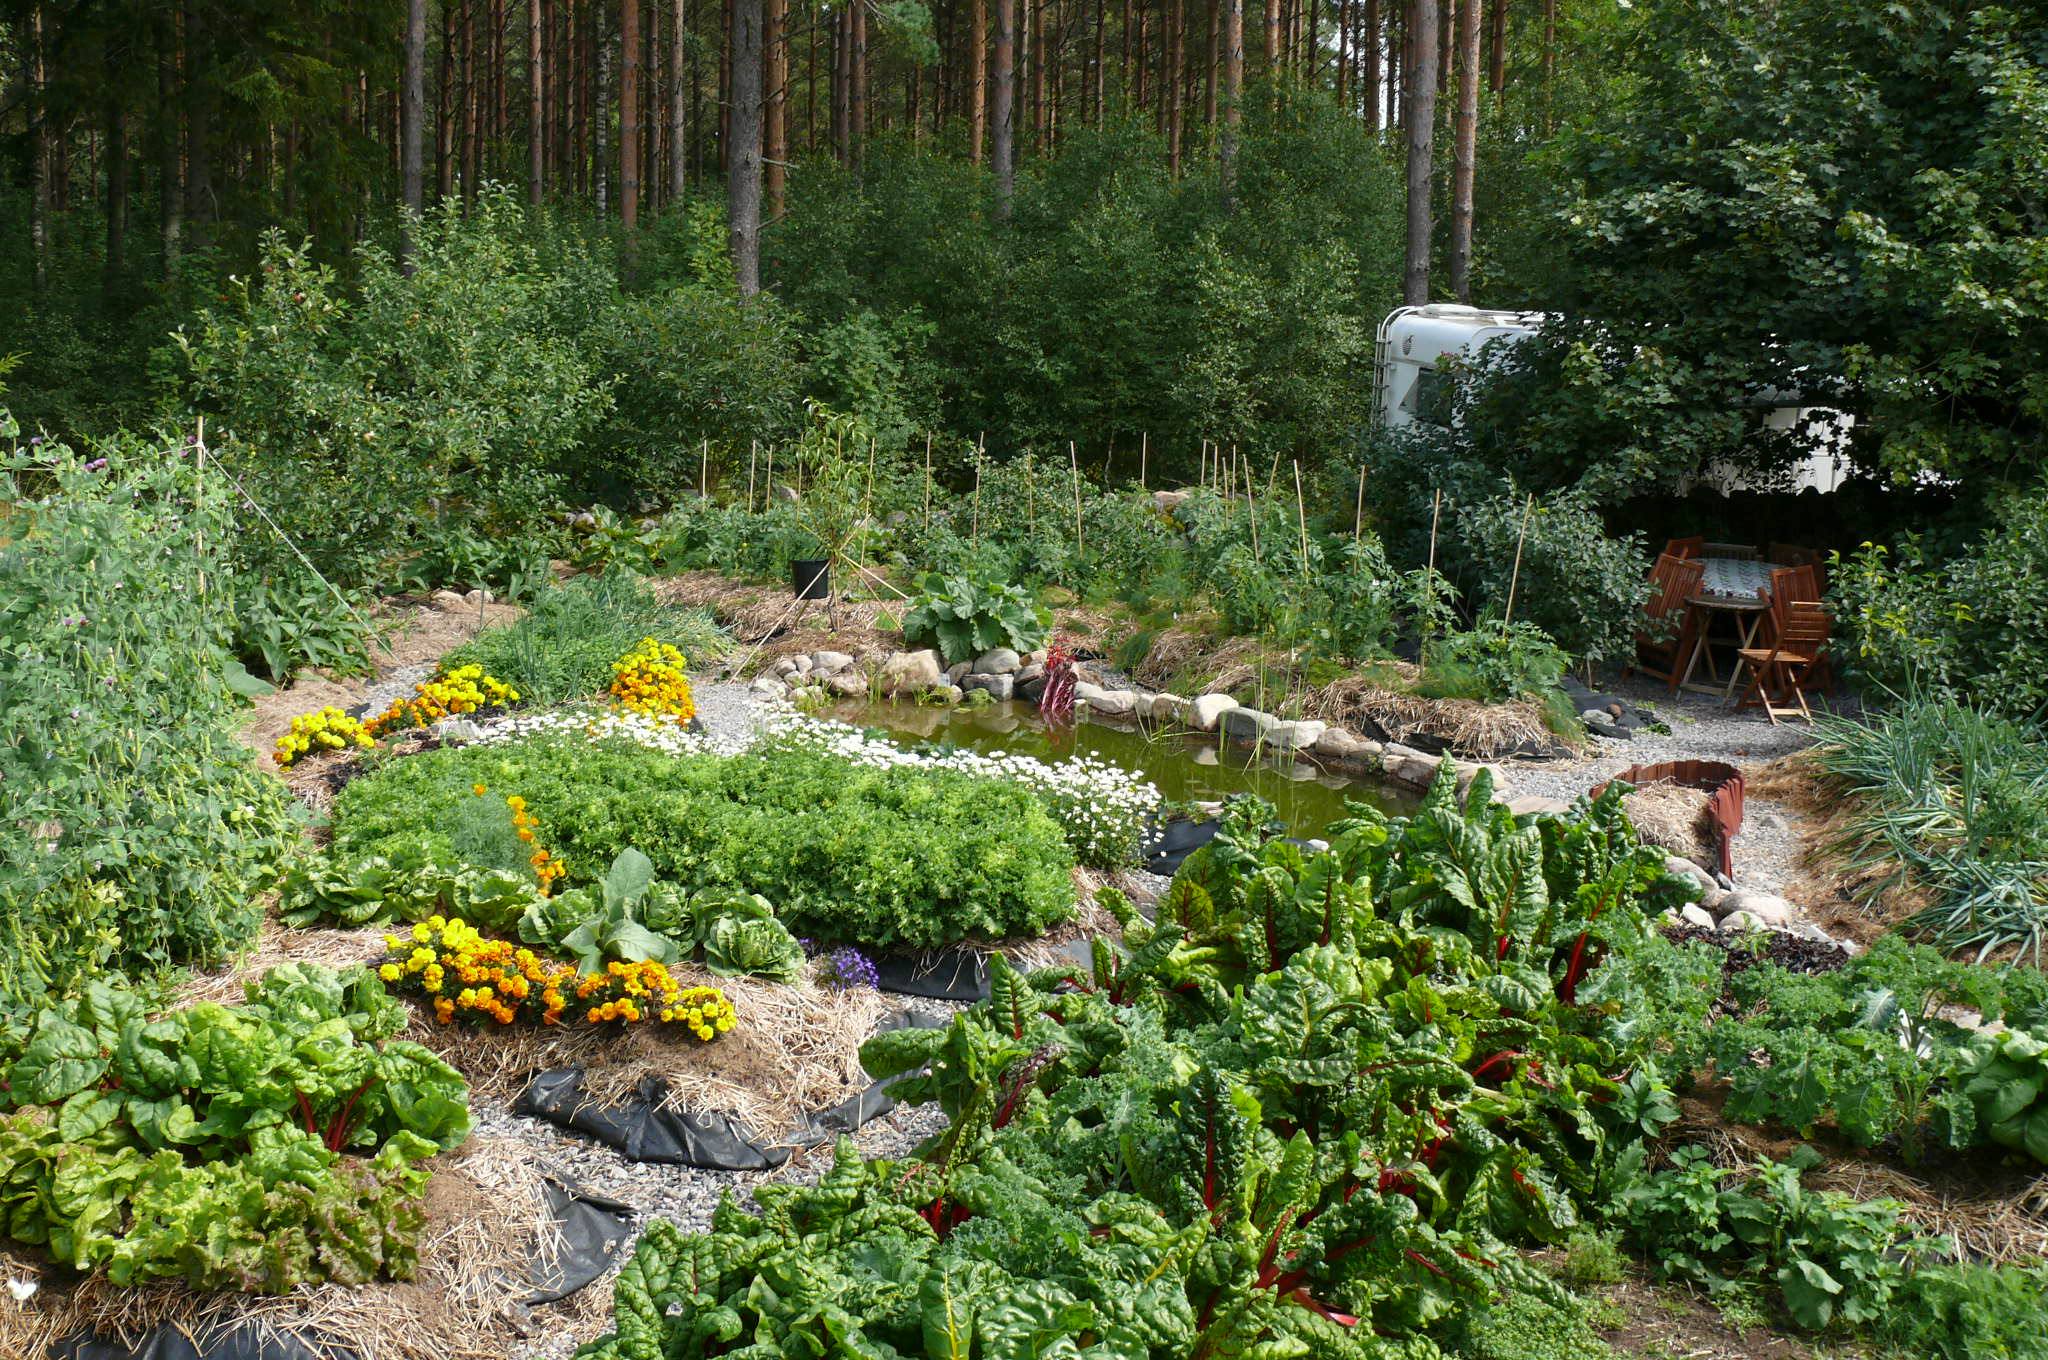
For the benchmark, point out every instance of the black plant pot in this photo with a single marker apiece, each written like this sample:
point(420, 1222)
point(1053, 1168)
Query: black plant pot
point(810, 578)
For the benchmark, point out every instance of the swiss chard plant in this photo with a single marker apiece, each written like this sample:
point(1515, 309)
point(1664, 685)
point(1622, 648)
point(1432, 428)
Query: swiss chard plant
point(252, 1146)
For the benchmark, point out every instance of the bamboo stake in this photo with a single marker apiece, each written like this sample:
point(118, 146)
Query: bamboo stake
point(1301, 518)
point(768, 488)
point(1108, 454)
point(199, 502)
point(1514, 578)
point(1251, 510)
point(1436, 510)
point(977, 496)
point(704, 471)
point(927, 479)
point(1144, 456)
point(1030, 492)
point(1358, 512)
point(1273, 477)
point(753, 453)
point(1080, 544)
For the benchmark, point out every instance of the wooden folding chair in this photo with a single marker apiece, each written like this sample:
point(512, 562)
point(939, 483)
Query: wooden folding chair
point(1783, 668)
point(1659, 655)
point(1684, 547)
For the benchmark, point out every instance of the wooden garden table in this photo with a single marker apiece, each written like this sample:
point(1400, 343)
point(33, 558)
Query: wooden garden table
point(1737, 588)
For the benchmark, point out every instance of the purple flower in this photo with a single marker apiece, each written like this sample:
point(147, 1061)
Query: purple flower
point(95, 465)
point(847, 968)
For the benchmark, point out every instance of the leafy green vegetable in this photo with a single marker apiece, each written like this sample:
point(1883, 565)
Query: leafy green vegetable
point(965, 617)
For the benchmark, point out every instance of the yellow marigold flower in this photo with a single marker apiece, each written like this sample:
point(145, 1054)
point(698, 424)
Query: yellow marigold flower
point(389, 972)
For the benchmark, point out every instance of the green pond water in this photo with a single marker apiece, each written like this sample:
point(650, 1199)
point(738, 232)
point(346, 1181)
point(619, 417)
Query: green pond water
point(1184, 768)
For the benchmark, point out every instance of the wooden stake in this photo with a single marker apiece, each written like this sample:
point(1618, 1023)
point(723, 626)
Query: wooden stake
point(1107, 455)
point(1273, 477)
point(1514, 577)
point(768, 487)
point(1144, 456)
point(977, 495)
point(1436, 510)
point(1251, 510)
point(199, 501)
point(753, 453)
point(1074, 457)
point(1030, 492)
point(704, 471)
point(1358, 513)
point(1301, 518)
point(927, 479)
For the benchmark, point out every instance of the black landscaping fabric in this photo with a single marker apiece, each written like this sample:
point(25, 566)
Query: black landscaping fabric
point(594, 1230)
point(642, 1129)
point(1176, 841)
point(956, 973)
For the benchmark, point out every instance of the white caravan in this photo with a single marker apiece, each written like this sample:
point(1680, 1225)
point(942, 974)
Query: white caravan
point(1409, 385)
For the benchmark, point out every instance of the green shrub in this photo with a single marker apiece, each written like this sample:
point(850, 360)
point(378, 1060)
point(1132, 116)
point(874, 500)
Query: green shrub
point(139, 831)
point(1492, 661)
point(1971, 625)
point(1575, 582)
point(844, 851)
point(1969, 1312)
point(1524, 1327)
point(565, 645)
point(965, 618)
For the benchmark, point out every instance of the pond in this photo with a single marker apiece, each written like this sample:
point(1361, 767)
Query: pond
point(1184, 768)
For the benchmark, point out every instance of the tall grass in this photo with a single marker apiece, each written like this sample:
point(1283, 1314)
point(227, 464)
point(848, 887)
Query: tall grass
point(1954, 799)
point(564, 648)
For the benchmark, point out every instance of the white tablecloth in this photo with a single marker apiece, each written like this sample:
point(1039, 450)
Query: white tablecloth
point(1734, 578)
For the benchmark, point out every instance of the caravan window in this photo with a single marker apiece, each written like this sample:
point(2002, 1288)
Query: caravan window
point(1429, 397)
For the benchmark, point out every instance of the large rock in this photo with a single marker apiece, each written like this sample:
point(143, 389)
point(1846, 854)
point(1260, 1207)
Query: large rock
point(1248, 725)
point(1768, 908)
point(768, 687)
point(847, 684)
point(958, 671)
point(829, 663)
point(783, 668)
point(1209, 710)
point(1406, 765)
point(1113, 703)
point(1696, 916)
point(1296, 736)
point(998, 687)
point(912, 672)
point(997, 661)
point(1685, 868)
point(449, 601)
point(1741, 923)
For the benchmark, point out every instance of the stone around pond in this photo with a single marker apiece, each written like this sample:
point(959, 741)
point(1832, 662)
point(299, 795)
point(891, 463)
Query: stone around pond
point(911, 672)
point(1209, 710)
point(997, 661)
point(830, 663)
point(1296, 736)
point(999, 687)
point(1169, 708)
point(1247, 724)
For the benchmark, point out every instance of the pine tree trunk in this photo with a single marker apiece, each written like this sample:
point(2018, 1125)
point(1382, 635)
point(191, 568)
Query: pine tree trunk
point(600, 119)
point(412, 102)
point(775, 139)
point(444, 161)
point(1003, 114)
point(1341, 10)
point(199, 98)
point(1272, 35)
point(1419, 118)
point(1035, 30)
point(629, 120)
point(743, 155)
point(678, 130)
point(857, 111)
point(170, 178)
point(1549, 56)
point(977, 68)
point(1233, 95)
point(1175, 51)
point(1212, 66)
point(467, 102)
point(536, 115)
point(117, 187)
point(1465, 152)
point(842, 86)
point(1372, 77)
point(1497, 48)
point(38, 152)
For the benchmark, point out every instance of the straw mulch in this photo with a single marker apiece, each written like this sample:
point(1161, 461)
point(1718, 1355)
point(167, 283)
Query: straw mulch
point(1468, 727)
point(487, 1225)
point(1997, 1214)
point(1674, 818)
point(795, 1049)
point(768, 623)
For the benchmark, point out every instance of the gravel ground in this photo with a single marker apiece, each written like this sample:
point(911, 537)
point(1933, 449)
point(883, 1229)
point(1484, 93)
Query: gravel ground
point(1768, 850)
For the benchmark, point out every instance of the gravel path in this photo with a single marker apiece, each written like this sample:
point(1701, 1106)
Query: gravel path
point(1768, 851)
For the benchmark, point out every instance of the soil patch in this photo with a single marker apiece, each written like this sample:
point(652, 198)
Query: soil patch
point(1664, 1322)
point(417, 632)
